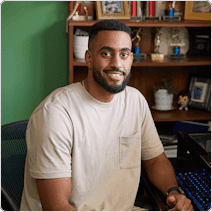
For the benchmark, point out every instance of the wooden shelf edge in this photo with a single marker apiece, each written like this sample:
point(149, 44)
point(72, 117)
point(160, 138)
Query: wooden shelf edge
point(188, 61)
point(167, 62)
point(183, 23)
point(177, 115)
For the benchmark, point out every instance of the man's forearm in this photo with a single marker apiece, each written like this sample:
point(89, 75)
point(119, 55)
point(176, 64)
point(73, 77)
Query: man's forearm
point(161, 173)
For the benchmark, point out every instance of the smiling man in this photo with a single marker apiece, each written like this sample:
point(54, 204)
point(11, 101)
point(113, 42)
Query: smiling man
point(86, 141)
point(110, 64)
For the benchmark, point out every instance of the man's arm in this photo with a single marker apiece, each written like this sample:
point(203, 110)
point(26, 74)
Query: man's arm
point(55, 193)
point(162, 175)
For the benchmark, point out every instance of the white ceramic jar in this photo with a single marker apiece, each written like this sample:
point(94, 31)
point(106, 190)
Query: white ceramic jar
point(163, 100)
point(80, 45)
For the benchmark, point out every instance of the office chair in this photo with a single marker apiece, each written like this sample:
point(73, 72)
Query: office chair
point(13, 153)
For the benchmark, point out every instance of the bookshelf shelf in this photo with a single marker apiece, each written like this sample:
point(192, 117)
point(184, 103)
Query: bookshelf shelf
point(188, 61)
point(176, 115)
point(183, 23)
point(145, 73)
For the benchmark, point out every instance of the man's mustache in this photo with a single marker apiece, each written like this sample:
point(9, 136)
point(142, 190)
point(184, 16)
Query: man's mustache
point(116, 70)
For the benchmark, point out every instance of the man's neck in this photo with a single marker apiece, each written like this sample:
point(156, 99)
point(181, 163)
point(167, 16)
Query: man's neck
point(97, 91)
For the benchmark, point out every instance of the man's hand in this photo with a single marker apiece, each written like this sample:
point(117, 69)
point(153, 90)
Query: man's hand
point(179, 202)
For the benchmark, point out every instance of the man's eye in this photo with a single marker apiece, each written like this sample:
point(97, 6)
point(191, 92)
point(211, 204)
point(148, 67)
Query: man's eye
point(106, 54)
point(125, 54)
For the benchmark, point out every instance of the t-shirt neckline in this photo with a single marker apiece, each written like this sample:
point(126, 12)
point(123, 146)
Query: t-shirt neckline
point(94, 101)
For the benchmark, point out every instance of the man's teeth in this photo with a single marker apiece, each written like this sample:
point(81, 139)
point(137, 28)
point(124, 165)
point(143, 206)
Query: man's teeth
point(115, 75)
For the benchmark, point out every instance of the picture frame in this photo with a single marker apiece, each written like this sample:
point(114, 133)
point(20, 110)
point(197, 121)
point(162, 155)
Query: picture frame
point(197, 10)
point(200, 91)
point(112, 10)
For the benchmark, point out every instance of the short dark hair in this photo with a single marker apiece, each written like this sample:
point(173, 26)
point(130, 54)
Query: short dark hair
point(108, 25)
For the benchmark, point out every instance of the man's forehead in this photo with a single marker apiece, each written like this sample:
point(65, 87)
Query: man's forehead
point(117, 39)
point(111, 32)
point(113, 49)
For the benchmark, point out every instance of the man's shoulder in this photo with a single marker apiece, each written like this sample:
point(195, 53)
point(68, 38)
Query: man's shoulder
point(133, 92)
point(59, 96)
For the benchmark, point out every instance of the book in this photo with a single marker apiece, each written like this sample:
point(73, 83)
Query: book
point(165, 132)
point(190, 126)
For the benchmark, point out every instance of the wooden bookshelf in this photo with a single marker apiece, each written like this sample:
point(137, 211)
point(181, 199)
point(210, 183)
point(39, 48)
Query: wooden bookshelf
point(145, 73)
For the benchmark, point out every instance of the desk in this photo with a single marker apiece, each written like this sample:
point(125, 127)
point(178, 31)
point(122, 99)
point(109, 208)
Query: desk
point(183, 163)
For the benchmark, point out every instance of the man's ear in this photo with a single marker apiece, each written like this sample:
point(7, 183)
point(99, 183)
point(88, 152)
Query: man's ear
point(88, 58)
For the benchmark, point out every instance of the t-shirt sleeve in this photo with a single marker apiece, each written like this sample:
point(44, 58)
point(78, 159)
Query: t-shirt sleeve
point(49, 143)
point(151, 145)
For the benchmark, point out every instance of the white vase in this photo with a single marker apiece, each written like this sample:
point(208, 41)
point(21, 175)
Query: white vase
point(163, 100)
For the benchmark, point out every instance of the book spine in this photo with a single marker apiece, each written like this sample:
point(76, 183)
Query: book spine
point(151, 8)
point(133, 8)
point(147, 9)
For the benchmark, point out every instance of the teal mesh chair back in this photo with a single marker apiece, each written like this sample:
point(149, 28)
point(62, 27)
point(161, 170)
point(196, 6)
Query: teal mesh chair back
point(13, 153)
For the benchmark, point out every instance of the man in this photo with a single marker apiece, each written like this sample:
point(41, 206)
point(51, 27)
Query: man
point(86, 141)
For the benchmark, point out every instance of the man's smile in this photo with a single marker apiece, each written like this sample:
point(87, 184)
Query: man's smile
point(115, 75)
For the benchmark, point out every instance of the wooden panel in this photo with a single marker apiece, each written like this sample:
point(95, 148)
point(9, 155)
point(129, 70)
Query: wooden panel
point(145, 78)
point(71, 55)
point(177, 115)
point(80, 73)
point(184, 23)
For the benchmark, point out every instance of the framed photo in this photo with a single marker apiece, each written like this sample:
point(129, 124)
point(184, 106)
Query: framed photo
point(197, 10)
point(200, 91)
point(112, 10)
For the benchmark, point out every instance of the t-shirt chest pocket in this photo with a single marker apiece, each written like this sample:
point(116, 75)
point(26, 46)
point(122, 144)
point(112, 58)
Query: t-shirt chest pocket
point(130, 151)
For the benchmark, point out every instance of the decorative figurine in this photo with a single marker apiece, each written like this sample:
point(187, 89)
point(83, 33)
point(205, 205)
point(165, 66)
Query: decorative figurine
point(176, 43)
point(183, 98)
point(137, 55)
point(157, 57)
point(157, 39)
point(137, 36)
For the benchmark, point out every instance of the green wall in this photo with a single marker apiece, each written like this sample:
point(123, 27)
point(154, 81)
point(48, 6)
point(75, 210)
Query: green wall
point(33, 55)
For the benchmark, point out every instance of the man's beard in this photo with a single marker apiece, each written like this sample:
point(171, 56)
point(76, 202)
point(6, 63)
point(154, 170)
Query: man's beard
point(113, 89)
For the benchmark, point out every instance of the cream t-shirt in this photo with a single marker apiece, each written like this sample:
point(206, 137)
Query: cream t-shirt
point(99, 145)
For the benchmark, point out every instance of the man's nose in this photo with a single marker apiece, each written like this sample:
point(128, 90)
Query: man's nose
point(116, 62)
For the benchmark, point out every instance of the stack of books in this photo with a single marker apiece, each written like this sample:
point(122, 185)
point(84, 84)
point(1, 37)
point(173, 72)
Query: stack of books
point(166, 133)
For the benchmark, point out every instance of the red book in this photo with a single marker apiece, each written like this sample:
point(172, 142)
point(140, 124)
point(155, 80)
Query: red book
point(134, 8)
point(151, 8)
